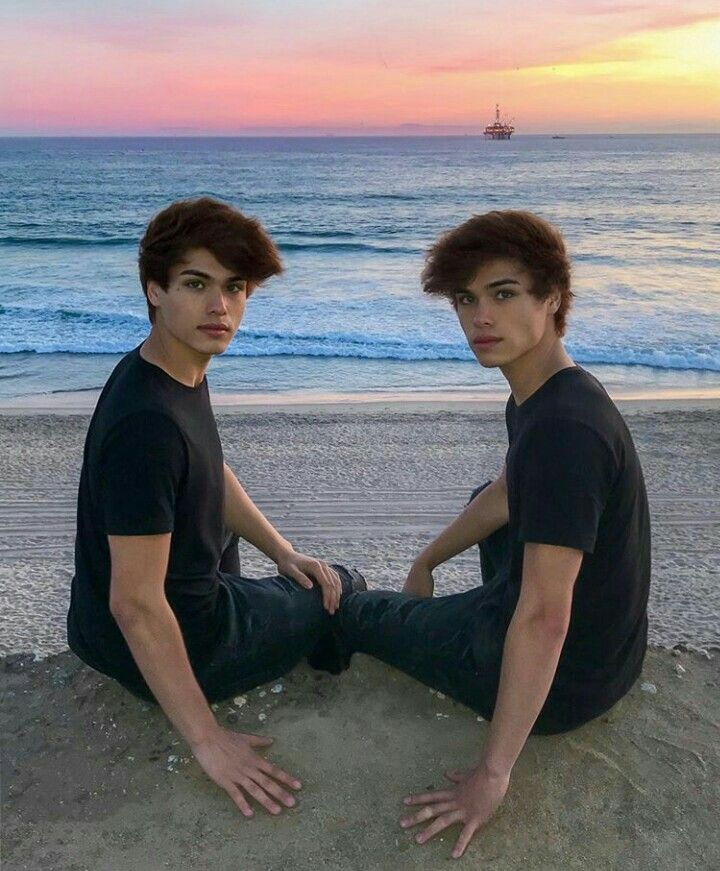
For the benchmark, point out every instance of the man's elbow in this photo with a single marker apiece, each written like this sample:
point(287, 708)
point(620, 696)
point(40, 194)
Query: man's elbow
point(125, 612)
point(549, 624)
point(128, 610)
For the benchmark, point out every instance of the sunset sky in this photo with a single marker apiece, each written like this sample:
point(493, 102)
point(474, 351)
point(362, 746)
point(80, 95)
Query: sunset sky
point(173, 67)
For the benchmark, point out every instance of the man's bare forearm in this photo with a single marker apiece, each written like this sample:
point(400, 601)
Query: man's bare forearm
point(245, 519)
point(156, 643)
point(530, 657)
point(487, 512)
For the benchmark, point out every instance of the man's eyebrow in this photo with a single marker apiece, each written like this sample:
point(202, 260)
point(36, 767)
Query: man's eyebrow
point(500, 282)
point(205, 275)
point(493, 284)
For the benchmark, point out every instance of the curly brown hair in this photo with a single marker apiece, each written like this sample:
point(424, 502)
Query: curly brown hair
point(238, 242)
point(454, 259)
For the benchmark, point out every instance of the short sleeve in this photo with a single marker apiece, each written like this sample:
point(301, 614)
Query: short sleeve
point(142, 467)
point(564, 473)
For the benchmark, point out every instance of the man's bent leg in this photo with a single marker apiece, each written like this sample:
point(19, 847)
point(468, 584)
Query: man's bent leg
point(269, 625)
point(450, 643)
point(494, 550)
point(442, 642)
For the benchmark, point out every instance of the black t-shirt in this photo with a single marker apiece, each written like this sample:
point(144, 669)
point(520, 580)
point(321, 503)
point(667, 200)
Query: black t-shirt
point(152, 464)
point(574, 479)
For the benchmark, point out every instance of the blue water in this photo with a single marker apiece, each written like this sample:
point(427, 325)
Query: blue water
point(353, 217)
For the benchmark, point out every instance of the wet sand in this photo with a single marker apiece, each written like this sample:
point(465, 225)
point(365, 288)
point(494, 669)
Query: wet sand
point(90, 778)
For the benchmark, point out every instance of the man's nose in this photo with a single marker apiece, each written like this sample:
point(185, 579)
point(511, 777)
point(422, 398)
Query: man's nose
point(217, 303)
point(483, 313)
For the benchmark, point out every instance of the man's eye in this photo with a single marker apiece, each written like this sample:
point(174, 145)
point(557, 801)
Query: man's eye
point(238, 286)
point(195, 283)
point(465, 299)
point(505, 294)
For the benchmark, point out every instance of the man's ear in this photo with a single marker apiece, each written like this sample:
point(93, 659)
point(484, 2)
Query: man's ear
point(554, 303)
point(153, 292)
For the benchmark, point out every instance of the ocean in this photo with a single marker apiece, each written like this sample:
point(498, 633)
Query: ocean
point(353, 218)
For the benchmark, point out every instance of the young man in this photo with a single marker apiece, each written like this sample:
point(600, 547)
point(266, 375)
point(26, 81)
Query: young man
point(157, 599)
point(557, 632)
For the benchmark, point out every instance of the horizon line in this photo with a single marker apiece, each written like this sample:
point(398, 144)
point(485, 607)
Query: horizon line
point(307, 134)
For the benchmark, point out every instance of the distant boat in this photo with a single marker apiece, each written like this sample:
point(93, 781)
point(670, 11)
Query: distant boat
point(498, 129)
point(558, 137)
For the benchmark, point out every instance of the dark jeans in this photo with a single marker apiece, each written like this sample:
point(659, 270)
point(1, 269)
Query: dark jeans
point(269, 625)
point(450, 643)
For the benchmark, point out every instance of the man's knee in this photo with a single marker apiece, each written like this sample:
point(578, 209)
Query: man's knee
point(351, 579)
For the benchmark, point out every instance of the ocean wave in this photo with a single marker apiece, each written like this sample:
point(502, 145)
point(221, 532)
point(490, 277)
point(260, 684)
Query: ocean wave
point(68, 241)
point(259, 343)
point(325, 245)
point(349, 247)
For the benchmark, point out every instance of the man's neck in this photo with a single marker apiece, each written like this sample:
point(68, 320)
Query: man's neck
point(529, 372)
point(174, 358)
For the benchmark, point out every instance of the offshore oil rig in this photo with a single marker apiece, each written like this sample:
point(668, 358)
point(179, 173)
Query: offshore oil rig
point(498, 129)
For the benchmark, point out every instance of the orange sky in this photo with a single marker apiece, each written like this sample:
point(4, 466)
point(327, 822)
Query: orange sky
point(349, 66)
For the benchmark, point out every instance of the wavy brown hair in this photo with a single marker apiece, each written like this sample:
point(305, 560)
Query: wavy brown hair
point(238, 242)
point(454, 259)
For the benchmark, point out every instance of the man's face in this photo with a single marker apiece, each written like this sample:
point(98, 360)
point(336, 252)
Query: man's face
point(203, 304)
point(501, 319)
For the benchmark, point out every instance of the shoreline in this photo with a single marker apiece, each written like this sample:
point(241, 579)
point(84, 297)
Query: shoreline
point(629, 400)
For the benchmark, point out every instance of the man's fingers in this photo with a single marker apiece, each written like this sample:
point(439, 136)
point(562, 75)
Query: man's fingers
point(240, 800)
point(427, 813)
point(274, 789)
point(427, 797)
point(280, 775)
point(260, 796)
point(327, 585)
point(438, 825)
point(466, 835)
point(257, 740)
point(332, 583)
point(302, 579)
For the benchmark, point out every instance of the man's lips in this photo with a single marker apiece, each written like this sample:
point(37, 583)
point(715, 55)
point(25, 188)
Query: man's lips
point(216, 329)
point(486, 341)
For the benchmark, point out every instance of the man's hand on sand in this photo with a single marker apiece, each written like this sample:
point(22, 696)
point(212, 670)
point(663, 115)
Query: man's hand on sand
point(228, 758)
point(472, 801)
point(419, 581)
point(303, 569)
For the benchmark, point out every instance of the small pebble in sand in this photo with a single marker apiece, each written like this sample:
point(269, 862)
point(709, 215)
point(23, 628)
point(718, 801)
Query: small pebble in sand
point(647, 687)
point(679, 670)
point(278, 688)
point(262, 694)
point(239, 701)
point(214, 706)
point(442, 716)
point(262, 716)
point(440, 695)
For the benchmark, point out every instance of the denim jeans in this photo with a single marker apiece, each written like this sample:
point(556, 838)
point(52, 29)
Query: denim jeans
point(450, 643)
point(268, 625)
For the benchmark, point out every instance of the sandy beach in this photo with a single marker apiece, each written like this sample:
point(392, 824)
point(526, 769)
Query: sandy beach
point(90, 779)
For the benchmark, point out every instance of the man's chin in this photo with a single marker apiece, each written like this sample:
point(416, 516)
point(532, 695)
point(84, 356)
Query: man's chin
point(214, 347)
point(487, 361)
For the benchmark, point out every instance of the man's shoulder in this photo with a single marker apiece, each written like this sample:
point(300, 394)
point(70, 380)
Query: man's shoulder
point(130, 403)
point(577, 402)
